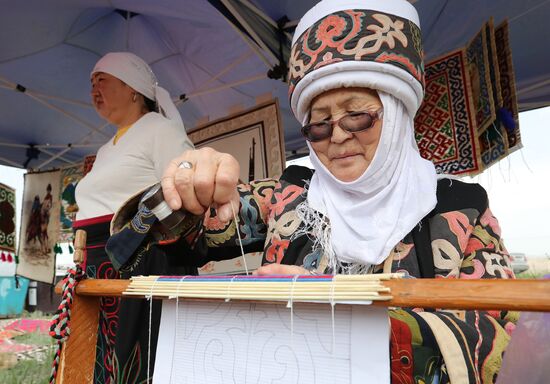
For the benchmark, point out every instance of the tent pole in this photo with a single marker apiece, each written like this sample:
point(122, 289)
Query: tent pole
point(54, 157)
point(532, 87)
point(70, 115)
point(89, 134)
point(53, 154)
point(225, 70)
point(13, 145)
point(58, 146)
point(248, 28)
point(228, 85)
point(258, 12)
point(13, 86)
point(12, 163)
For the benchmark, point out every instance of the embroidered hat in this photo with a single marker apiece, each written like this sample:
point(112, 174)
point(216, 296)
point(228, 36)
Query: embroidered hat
point(357, 43)
point(137, 74)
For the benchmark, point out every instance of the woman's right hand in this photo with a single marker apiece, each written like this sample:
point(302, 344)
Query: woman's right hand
point(210, 182)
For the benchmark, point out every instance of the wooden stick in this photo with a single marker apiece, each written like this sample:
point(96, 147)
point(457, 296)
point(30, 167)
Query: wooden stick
point(79, 246)
point(497, 294)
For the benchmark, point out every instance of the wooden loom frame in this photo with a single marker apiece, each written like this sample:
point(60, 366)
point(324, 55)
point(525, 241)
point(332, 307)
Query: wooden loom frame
point(78, 353)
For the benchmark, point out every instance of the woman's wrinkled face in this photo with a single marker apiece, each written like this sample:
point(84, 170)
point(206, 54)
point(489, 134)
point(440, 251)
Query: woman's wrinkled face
point(346, 155)
point(111, 97)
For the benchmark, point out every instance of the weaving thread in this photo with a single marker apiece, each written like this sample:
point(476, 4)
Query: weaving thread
point(60, 324)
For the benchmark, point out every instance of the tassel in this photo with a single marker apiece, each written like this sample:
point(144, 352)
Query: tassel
point(507, 119)
point(57, 249)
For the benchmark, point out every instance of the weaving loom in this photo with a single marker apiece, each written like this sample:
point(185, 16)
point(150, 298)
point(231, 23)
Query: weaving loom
point(77, 357)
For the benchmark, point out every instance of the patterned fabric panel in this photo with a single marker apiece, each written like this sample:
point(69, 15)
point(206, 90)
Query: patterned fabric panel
point(357, 35)
point(444, 124)
point(8, 259)
point(7, 218)
point(510, 120)
point(479, 69)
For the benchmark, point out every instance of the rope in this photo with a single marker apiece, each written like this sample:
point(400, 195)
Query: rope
point(60, 323)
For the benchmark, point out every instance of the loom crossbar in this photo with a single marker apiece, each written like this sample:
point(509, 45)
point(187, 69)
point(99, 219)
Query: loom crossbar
point(78, 357)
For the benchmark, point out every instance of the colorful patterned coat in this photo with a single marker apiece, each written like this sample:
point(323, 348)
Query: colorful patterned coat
point(426, 346)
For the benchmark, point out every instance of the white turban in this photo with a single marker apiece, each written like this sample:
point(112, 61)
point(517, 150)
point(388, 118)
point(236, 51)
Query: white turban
point(135, 72)
point(372, 44)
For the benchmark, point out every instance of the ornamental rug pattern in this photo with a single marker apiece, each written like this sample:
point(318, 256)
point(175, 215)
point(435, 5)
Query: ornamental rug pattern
point(70, 176)
point(507, 86)
point(357, 35)
point(479, 70)
point(493, 145)
point(39, 226)
point(7, 218)
point(7, 231)
point(445, 123)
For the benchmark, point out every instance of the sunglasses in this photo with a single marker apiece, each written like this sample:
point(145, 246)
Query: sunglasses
point(352, 122)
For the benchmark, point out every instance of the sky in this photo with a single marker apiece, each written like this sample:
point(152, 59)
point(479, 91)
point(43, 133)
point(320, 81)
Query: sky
point(518, 187)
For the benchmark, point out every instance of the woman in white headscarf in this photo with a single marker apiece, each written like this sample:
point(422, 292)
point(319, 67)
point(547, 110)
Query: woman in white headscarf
point(373, 203)
point(149, 133)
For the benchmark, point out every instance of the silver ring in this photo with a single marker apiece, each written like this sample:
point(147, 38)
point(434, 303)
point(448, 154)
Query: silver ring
point(185, 165)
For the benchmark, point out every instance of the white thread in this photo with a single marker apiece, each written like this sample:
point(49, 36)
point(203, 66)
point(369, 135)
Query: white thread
point(524, 161)
point(239, 237)
point(176, 325)
point(228, 294)
point(162, 211)
point(150, 298)
point(332, 304)
point(317, 228)
point(290, 304)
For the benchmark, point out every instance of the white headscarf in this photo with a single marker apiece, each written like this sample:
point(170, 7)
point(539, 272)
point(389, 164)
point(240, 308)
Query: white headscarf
point(135, 72)
point(371, 214)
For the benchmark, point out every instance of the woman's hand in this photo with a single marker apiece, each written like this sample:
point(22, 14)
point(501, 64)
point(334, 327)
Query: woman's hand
point(281, 269)
point(211, 181)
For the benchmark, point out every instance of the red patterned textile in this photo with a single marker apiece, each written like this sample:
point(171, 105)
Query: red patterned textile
point(444, 125)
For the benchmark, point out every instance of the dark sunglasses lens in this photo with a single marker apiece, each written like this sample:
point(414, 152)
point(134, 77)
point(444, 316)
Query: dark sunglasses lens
point(317, 131)
point(356, 122)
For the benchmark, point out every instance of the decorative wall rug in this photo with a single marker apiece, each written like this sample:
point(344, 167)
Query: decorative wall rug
point(7, 231)
point(479, 70)
point(508, 113)
point(39, 226)
point(445, 123)
point(70, 176)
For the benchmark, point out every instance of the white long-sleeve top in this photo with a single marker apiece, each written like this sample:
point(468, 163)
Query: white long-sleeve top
point(135, 162)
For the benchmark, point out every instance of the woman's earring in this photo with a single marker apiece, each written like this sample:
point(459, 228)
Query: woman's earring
point(134, 97)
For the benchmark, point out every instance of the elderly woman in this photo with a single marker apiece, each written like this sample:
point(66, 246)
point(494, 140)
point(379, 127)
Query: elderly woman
point(149, 133)
point(372, 204)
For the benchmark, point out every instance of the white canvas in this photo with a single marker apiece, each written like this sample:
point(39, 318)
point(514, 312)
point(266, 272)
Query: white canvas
point(237, 342)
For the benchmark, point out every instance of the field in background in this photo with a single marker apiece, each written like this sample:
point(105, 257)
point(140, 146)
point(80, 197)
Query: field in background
point(26, 349)
point(538, 267)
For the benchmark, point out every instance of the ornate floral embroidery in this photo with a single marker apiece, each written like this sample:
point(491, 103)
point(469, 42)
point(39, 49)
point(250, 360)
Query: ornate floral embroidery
point(460, 225)
point(276, 250)
point(357, 35)
point(446, 257)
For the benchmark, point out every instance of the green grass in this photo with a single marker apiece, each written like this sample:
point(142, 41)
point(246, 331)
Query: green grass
point(31, 371)
point(28, 371)
point(531, 275)
point(34, 338)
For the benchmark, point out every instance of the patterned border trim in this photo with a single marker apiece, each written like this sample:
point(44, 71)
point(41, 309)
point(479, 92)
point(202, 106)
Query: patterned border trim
point(479, 69)
point(444, 125)
point(507, 82)
point(7, 218)
point(357, 35)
